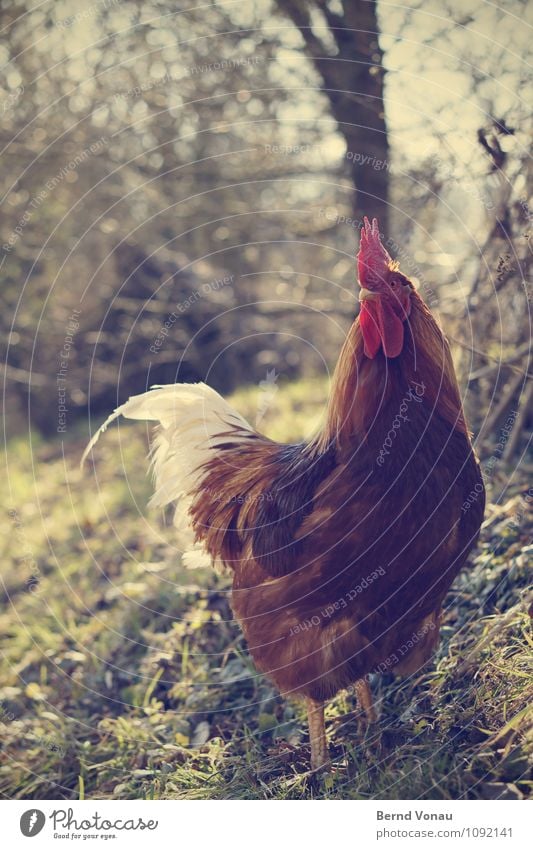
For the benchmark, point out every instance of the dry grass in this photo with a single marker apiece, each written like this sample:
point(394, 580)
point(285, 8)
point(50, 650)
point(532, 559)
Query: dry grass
point(123, 675)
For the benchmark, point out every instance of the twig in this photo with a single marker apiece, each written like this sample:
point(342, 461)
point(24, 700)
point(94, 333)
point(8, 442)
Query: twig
point(499, 409)
point(481, 372)
point(21, 376)
point(524, 405)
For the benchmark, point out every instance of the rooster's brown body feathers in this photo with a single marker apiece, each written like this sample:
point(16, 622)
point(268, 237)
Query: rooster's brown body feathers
point(342, 549)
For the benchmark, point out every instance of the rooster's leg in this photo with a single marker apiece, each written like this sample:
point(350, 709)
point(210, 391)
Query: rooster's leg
point(364, 697)
point(317, 734)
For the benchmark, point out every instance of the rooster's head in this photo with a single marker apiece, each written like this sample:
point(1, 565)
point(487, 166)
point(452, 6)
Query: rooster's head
point(385, 295)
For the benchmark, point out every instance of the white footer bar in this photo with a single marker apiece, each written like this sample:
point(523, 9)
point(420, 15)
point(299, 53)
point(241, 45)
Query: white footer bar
point(265, 824)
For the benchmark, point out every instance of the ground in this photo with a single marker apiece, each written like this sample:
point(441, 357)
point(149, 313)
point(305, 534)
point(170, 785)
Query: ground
point(124, 676)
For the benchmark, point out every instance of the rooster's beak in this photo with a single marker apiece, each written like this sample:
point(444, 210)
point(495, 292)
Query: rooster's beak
point(366, 295)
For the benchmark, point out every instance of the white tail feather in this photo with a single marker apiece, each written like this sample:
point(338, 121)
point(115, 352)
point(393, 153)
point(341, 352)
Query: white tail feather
point(192, 419)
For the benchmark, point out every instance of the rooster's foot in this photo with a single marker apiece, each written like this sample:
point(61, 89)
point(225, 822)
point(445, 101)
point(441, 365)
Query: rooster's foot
point(317, 736)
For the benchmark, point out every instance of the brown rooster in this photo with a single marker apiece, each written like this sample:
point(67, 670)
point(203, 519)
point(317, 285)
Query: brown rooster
point(342, 548)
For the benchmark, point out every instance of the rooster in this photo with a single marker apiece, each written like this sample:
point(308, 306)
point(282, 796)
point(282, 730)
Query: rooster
point(342, 547)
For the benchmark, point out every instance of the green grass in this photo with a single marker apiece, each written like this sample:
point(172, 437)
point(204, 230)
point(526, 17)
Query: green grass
point(123, 675)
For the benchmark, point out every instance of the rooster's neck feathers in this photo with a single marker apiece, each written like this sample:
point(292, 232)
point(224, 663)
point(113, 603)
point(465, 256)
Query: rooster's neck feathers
point(362, 388)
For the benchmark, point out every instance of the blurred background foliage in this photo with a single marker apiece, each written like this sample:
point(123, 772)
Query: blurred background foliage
point(243, 142)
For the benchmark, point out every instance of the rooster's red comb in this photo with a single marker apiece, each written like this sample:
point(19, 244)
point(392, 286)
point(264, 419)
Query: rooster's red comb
point(372, 260)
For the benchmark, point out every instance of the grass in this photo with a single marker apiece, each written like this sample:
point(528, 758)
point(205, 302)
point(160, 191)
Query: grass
point(124, 676)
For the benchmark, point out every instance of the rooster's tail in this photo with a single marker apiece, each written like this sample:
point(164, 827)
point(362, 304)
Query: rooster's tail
point(193, 420)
